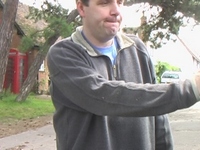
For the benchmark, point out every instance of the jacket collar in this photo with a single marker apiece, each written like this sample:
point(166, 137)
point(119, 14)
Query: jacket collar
point(77, 38)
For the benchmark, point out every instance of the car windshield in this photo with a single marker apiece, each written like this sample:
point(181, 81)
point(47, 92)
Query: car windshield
point(171, 75)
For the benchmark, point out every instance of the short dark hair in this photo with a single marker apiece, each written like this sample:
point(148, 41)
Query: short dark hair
point(85, 2)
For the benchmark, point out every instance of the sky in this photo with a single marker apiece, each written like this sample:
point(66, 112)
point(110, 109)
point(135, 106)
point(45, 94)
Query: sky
point(70, 4)
point(173, 53)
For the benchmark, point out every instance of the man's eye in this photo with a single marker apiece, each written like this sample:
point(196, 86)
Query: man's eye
point(104, 2)
point(120, 2)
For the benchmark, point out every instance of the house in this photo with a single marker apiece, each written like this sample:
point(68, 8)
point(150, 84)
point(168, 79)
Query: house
point(18, 62)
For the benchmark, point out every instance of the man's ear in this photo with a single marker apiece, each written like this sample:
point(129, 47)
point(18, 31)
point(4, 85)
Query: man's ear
point(80, 8)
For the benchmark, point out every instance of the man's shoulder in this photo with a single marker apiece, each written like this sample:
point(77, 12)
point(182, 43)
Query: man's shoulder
point(63, 45)
point(138, 43)
point(135, 38)
point(63, 40)
point(131, 37)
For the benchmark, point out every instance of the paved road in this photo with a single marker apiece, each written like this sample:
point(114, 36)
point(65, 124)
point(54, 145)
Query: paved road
point(39, 139)
point(185, 126)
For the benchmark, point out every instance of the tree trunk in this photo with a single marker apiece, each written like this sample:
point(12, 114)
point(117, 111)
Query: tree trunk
point(73, 14)
point(33, 71)
point(6, 30)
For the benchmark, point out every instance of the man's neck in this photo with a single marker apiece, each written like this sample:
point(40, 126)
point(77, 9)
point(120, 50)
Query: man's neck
point(102, 44)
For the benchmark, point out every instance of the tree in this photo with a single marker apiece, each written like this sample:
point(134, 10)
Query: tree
point(189, 8)
point(168, 19)
point(6, 30)
point(55, 16)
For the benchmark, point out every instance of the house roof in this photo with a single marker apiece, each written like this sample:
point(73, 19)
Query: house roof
point(193, 53)
point(19, 30)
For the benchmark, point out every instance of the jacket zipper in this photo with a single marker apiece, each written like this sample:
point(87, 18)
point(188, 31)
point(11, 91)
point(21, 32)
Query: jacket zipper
point(114, 71)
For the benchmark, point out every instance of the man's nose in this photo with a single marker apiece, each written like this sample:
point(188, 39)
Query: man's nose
point(115, 8)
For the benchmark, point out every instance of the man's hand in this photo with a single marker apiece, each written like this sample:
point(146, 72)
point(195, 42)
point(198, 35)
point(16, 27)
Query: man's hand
point(197, 80)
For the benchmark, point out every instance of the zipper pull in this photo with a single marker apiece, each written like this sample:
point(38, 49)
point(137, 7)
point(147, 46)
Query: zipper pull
point(114, 71)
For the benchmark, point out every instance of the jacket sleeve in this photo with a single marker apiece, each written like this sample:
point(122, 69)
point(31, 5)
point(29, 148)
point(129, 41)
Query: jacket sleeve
point(74, 77)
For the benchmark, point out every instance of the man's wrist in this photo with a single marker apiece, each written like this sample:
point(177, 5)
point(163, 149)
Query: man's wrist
point(194, 87)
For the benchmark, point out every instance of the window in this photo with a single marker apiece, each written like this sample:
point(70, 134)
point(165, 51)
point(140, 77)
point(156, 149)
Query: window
point(42, 67)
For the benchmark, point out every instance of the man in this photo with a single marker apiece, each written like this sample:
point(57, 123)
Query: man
point(102, 86)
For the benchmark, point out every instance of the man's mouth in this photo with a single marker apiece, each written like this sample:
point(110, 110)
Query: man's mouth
point(112, 19)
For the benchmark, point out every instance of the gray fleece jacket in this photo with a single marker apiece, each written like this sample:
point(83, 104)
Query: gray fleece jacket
point(104, 107)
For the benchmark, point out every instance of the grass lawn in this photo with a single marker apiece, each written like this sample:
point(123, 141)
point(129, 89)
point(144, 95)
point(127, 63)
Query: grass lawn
point(33, 107)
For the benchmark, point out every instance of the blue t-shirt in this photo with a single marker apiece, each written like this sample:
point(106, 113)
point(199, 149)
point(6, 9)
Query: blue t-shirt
point(110, 51)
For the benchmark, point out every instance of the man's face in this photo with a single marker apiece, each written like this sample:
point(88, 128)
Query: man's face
point(102, 18)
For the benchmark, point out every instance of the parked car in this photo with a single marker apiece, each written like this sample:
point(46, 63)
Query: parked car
point(172, 76)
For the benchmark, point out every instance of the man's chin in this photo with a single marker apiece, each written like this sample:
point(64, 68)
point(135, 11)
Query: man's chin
point(113, 32)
